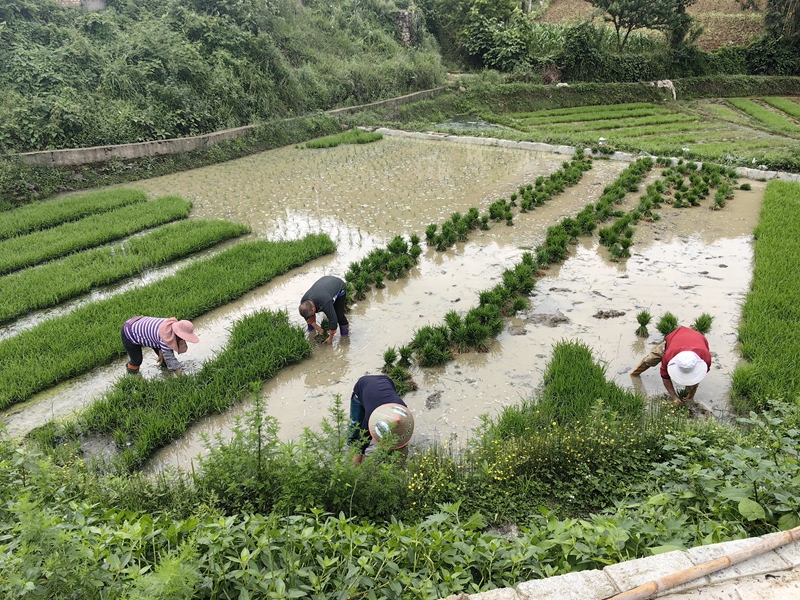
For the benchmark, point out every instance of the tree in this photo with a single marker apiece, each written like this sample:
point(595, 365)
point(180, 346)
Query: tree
point(627, 15)
point(781, 17)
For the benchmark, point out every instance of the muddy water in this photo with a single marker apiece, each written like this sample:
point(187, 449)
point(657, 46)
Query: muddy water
point(364, 195)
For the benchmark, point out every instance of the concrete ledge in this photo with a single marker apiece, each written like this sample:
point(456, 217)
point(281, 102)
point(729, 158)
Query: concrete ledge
point(773, 575)
point(583, 585)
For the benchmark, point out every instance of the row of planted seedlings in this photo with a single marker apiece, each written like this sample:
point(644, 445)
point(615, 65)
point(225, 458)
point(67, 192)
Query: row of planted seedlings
point(143, 415)
point(70, 345)
point(43, 215)
point(392, 263)
point(683, 185)
point(60, 280)
point(529, 196)
point(436, 345)
point(46, 244)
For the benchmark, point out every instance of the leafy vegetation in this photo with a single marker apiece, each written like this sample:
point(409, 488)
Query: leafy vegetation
point(153, 70)
point(37, 247)
point(59, 280)
point(66, 346)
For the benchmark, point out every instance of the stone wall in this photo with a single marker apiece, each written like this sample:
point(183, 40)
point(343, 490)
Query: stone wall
point(98, 154)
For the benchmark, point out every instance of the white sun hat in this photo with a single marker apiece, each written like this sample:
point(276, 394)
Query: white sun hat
point(687, 368)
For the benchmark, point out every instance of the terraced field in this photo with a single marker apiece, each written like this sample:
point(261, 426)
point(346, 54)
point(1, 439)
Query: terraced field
point(717, 130)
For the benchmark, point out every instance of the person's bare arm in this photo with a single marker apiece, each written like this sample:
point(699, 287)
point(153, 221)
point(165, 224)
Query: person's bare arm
point(670, 389)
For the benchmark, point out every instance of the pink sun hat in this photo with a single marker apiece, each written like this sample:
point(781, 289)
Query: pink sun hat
point(687, 368)
point(173, 332)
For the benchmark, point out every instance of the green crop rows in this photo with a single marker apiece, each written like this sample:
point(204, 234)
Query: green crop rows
point(770, 119)
point(73, 344)
point(42, 215)
point(354, 136)
point(54, 282)
point(785, 105)
point(144, 415)
point(769, 332)
point(34, 248)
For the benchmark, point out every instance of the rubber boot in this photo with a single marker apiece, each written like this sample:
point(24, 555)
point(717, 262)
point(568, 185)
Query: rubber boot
point(344, 329)
point(131, 369)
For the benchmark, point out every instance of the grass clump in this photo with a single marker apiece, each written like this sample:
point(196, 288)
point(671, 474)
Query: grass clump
point(67, 346)
point(667, 324)
point(354, 136)
point(643, 318)
point(769, 331)
point(40, 246)
point(43, 215)
point(60, 280)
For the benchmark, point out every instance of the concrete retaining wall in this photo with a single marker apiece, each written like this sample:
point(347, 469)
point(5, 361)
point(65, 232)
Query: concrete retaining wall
point(744, 580)
point(98, 154)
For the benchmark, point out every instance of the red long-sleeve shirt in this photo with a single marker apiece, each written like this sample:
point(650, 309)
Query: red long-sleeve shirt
point(682, 339)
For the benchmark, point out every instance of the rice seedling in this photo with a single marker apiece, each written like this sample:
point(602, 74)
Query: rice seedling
point(746, 187)
point(406, 353)
point(703, 323)
point(784, 104)
point(667, 324)
point(389, 358)
point(643, 318)
point(43, 215)
point(40, 246)
point(60, 280)
point(354, 136)
point(67, 346)
point(769, 334)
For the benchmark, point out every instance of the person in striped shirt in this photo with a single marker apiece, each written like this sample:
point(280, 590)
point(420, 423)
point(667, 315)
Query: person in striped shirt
point(165, 336)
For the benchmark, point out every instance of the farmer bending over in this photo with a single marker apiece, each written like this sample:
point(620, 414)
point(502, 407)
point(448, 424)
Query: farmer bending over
point(164, 336)
point(327, 295)
point(685, 360)
point(375, 408)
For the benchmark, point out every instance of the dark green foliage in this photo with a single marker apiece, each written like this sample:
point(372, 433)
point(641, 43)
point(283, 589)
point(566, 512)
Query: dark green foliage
point(667, 324)
point(389, 358)
point(146, 71)
point(69, 345)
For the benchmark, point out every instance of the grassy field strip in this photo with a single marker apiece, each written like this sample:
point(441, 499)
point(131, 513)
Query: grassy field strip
point(34, 248)
point(785, 105)
point(622, 124)
point(769, 330)
point(354, 136)
point(89, 336)
point(60, 280)
point(630, 132)
point(766, 117)
point(545, 118)
point(42, 215)
point(144, 415)
point(588, 110)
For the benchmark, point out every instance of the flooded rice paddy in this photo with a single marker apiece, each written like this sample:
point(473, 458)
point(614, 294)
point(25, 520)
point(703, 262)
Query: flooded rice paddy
point(689, 262)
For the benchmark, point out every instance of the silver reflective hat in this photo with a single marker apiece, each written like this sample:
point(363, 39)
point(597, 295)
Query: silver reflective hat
point(394, 419)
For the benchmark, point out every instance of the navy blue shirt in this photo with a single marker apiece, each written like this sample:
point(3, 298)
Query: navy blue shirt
point(370, 392)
